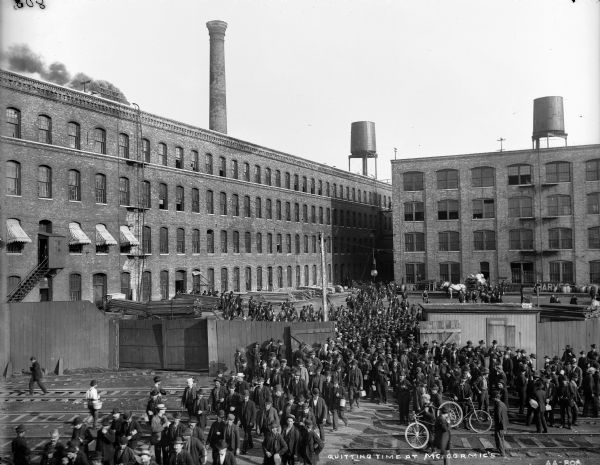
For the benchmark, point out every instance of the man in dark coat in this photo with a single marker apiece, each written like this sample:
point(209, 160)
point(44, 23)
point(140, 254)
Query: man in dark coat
point(124, 455)
point(215, 435)
point(36, 376)
point(539, 412)
point(403, 394)
point(319, 409)
point(195, 430)
point(217, 396)
point(77, 457)
point(20, 449)
point(247, 420)
point(179, 456)
point(105, 443)
point(201, 407)
point(274, 446)
point(442, 435)
point(131, 429)
point(195, 447)
point(224, 457)
point(188, 399)
point(355, 384)
point(53, 450)
point(310, 445)
point(500, 423)
point(291, 436)
point(231, 434)
point(267, 416)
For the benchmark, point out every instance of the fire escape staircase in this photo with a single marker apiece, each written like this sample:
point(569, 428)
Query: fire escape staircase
point(18, 293)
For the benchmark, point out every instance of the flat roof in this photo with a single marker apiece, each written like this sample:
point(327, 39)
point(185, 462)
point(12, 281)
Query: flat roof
point(491, 309)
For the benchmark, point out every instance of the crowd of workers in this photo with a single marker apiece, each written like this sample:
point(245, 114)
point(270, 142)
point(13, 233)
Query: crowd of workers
point(290, 403)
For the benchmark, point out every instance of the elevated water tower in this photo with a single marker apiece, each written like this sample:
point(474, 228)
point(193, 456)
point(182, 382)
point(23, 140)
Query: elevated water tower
point(362, 144)
point(548, 120)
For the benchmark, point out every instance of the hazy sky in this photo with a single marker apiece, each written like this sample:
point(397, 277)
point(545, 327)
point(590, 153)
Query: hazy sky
point(437, 77)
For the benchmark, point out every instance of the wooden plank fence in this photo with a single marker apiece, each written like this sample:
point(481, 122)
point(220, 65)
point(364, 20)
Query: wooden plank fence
point(554, 336)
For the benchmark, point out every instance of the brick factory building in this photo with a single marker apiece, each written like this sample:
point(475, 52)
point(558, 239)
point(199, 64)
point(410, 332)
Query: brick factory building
point(522, 216)
point(103, 198)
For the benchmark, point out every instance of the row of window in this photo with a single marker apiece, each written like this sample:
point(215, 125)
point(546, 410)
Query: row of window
point(485, 176)
point(560, 271)
point(519, 239)
point(96, 141)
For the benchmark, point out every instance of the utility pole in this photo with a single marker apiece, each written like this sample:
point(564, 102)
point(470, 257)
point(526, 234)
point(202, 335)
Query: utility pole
point(323, 276)
point(395, 151)
point(502, 139)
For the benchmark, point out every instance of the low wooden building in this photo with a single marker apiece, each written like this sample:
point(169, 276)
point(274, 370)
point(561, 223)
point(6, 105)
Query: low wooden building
point(509, 324)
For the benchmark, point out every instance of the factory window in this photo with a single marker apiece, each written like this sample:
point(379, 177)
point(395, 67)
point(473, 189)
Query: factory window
point(13, 178)
point(257, 174)
point(224, 280)
point(522, 272)
point(195, 200)
point(313, 214)
point(483, 208)
point(247, 242)
point(147, 240)
point(593, 238)
point(234, 169)
point(558, 205)
point(483, 176)
point(247, 212)
point(279, 277)
point(223, 203)
point(99, 135)
point(415, 272)
point(296, 212)
point(123, 145)
point(145, 200)
point(235, 205)
point(179, 158)
point(450, 271)
point(414, 242)
point(278, 209)
point(304, 184)
point(561, 272)
point(223, 241)
point(354, 194)
point(287, 180)
point(222, 167)
point(334, 190)
point(195, 163)
point(327, 189)
point(288, 243)
point(297, 244)
point(211, 279)
point(268, 176)
point(208, 163)
point(288, 211)
point(236, 279)
point(195, 241)
point(146, 150)
point(162, 154)
point(448, 241)
point(305, 241)
point(595, 272)
point(306, 283)
point(448, 209)
point(180, 240)
point(269, 209)
point(519, 175)
point(259, 247)
point(74, 178)
point(124, 191)
point(348, 194)
point(558, 171)
point(44, 127)
point(277, 178)
point(163, 245)
point(413, 211)
point(320, 188)
point(269, 243)
point(520, 207)
point(163, 196)
point(100, 289)
point(314, 244)
point(246, 173)
point(335, 217)
point(74, 286)
point(560, 238)
point(289, 276)
point(328, 245)
point(328, 216)
point(412, 181)
point(305, 213)
point(592, 170)
point(258, 208)
point(270, 278)
point(248, 278)
point(259, 278)
point(298, 276)
point(520, 239)
point(210, 241)
point(13, 123)
point(164, 285)
point(74, 135)
point(484, 240)
point(312, 185)
point(236, 242)
point(320, 215)
point(447, 179)
point(593, 203)
point(210, 205)
point(180, 282)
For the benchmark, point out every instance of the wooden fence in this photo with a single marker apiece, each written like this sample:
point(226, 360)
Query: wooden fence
point(76, 332)
point(554, 336)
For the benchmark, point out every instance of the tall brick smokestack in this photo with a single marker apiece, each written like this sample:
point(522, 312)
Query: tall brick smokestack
point(217, 120)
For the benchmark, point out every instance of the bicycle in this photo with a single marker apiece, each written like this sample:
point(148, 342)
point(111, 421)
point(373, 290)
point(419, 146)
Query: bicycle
point(417, 434)
point(455, 413)
point(478, 420)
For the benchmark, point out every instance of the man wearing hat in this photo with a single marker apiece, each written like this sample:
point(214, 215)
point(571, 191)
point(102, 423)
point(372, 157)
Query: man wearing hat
point(319, 409)
point(158, 428)
point(266, 416)
point(274, 446)
point(242, 383)
point(215, 434)
point(158, 387)
point(217, 396)
point(53, 450)
point(500, 422)
point(462, 395)
point(36, 376)
point(247, 420)
point(124, 455)
point(291, 436)
point(80, 432)
point(131, 429)
point(174, 431)
point(261, 394)
point(442, 435)
point(589, 387)
point(232, 400)
point(310, 444)
point(194, 446)
point(224, 456)
point(77, 457)
point(201, 408)
point(179, 456)
point(231, 434)
point(117, 425)
point(105, 443)
point(188, 398)
point(297, 386)
point(19, 447)
point(354, 384)
point(480, 386)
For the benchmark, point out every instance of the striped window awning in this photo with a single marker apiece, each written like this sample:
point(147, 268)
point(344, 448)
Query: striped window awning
point(78, 237)
point(127, 237)
point(103, 237)
point(15, 232)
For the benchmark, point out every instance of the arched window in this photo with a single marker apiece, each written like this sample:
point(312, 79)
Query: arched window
point(44, 127)
point(195, 163)
point(210, 241)
point(210, 205)
point(179, 199)
point(277, 178)
point(124, 191)
point(593, 203)
point(297, 242)
point(74, 179)
point(44, 182)
point(99, 284)
point(195, 241)
point(146, 157)
point(74, 135)
point(180, 282)
point(290, 278)
point(306, 276)
point(147, 240)
point(483, 176)
point(208, 163)
point(222, 167)
point(259, 278)
point(259, 247)
point(246, 173)
point(179, 157)
point(412, 181)
point(126, 285)
point(223, 241)
point(258, 207)
point(235, 205)
point(223, 203)
point(75, 286)
point(248, 242)
point(13, 178)
point(164, 285)
point(195, 200)
point(180, 240)
point(447, 179)
point(146, 286)
point(236, 279)
point(211, 279)
point(558, 171)
point(224, 280)
point(162, 154)
point(257, 174)
point(123, 145)
point(164, 240)
point(99, 141)
point(279, 277)
point(269, 209)
point(236, 242)
point(247, 212)
point(248, 278)
point(196, 281)
point(13, 123)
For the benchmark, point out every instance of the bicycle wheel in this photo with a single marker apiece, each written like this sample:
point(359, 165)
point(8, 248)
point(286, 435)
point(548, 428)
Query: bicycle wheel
point(480, 421)
point(417, 435)
point(455, 415)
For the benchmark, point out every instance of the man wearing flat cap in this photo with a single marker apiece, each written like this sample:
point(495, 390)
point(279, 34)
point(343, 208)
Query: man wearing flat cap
point(77, 457)
point(53, 450)
point(158, 427)
point(319, 408)
point(179, 456)
point(195, 447)
point(247, 420)
point(231, 434)
point(19, 447)
point(310, 444)
point(274, 446)
point(124, 455)
point(215, 434)
point(131, 429)
point(291, 436)
point(224, 456)
point(146, 457)
point(105, 443)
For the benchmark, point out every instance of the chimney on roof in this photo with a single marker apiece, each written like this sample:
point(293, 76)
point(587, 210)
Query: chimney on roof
point(217, 120)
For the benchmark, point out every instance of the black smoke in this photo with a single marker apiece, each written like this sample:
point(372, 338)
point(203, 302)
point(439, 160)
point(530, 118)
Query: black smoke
point(21, 58)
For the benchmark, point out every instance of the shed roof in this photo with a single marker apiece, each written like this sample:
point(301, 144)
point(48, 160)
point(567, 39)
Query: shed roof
point(490, 309)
